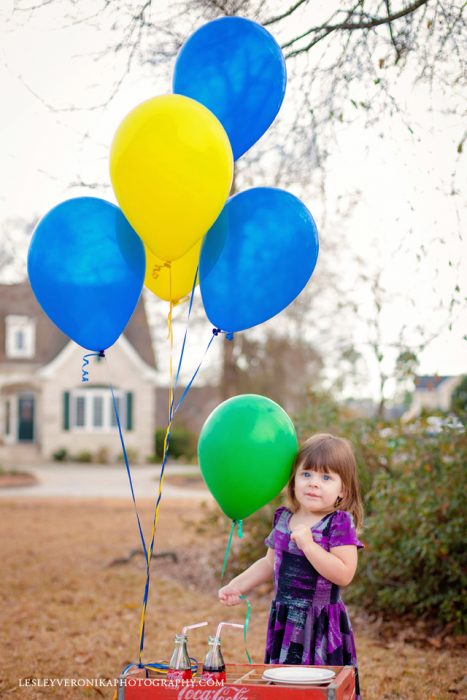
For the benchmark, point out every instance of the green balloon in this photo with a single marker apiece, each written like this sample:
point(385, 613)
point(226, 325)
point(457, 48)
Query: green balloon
point(246, 450)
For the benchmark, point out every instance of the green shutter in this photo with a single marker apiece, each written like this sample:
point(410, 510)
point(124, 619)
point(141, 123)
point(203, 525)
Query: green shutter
point(129, 410)
point(66, 410)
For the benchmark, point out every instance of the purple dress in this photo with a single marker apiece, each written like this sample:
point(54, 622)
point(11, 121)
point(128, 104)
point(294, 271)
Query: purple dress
point(308, 622)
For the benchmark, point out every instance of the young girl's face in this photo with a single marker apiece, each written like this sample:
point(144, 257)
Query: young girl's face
point(317, 492)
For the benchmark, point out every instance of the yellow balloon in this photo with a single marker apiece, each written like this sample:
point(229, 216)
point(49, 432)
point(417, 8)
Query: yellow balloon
point(171, 167)
point(173, 281)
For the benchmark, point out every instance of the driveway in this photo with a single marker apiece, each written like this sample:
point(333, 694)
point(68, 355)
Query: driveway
point(103, 481)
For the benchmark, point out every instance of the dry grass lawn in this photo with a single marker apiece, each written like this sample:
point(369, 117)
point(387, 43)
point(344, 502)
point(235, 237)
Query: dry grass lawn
point(65, 613)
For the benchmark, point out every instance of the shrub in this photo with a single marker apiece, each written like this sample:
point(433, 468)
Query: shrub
point(60, 455)
point(415, 561)
point(459, 400)
point(182, 443)
point(84, 456)
point(102, 456)
point(132, 455)
point(413, 481)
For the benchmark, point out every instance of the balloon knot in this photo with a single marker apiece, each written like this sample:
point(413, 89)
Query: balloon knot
point(101, 353)
point(229, 336)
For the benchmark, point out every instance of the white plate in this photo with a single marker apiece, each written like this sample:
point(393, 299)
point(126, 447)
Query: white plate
point(298, 675)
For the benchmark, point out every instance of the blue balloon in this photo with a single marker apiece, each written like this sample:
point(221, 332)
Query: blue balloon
point(86, 267)
point(235, 68)
point(256, 258)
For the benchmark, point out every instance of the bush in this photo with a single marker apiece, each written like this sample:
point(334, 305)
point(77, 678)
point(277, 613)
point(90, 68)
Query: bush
point(459, 400)
point(415, 561)
point(413, 481)
point(132, 455)
point(60, 455)
point(182, 443)
point(84, 457)
point(102, 456)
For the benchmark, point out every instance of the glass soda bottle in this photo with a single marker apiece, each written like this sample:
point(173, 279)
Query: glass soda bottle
point(180, 664)
point(214, 666)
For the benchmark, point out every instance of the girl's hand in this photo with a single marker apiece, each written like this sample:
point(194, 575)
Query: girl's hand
point(302, 536)
point(229, 595)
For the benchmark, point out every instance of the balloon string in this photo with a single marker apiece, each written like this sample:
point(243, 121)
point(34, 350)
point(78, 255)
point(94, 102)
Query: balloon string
point(85, 372)
point(182, 351)
point(125, 456)
point(239, 525)
point(157, 268)
point(245, 626)
point(171, 347)
point(172, 413)
point(195, 373)
point(85, 378)
point(151, 547)
point(161, 477)
point(158, 501)
point(164, 461)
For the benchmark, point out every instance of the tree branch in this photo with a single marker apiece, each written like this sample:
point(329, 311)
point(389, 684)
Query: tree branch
point(327, 29)
point(391, 33)
point(287, 13)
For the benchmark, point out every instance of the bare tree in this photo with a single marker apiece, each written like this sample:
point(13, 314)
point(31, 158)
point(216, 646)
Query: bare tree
point(346, 62)
point(336, 51)
point(15, 233)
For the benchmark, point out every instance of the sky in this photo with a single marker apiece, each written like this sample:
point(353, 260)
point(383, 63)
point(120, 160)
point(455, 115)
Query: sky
point(405, 221)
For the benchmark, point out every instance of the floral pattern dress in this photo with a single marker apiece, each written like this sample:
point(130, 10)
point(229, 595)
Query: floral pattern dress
point(308, 622)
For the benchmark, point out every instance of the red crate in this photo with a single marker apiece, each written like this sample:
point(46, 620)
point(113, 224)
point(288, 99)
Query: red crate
point(244, 682)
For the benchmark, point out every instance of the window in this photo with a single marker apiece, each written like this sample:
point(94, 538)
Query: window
point(98, 411)
point(8, 417)
point(93, 410)
point(80, 413)
point(20, 337)
point(119, 405)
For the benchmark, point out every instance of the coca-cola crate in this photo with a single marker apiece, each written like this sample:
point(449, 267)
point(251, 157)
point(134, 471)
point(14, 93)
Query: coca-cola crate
point(244, 682)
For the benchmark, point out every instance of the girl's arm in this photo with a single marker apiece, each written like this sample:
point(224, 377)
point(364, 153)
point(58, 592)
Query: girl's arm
point(338, 566)
point(259, 572)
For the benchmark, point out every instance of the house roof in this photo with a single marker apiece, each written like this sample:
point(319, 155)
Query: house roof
point(429, 382)
point(137, 332)
point(18, 299)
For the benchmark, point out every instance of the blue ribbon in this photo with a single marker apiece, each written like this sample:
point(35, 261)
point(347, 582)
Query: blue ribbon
point(84, 372)
point(128, 470)
point(85, 378)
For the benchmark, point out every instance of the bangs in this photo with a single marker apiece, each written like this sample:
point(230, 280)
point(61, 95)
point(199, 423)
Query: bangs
point(325, 453)
point(314, 465)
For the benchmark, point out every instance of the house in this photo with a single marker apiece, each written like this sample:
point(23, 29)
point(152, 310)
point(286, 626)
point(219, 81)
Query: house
point(45, 407)
point(431, 393)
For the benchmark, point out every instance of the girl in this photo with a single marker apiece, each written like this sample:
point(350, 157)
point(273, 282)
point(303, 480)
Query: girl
point(312, 551)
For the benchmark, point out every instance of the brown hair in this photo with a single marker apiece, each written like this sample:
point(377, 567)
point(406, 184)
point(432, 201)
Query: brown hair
point(326, 453)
